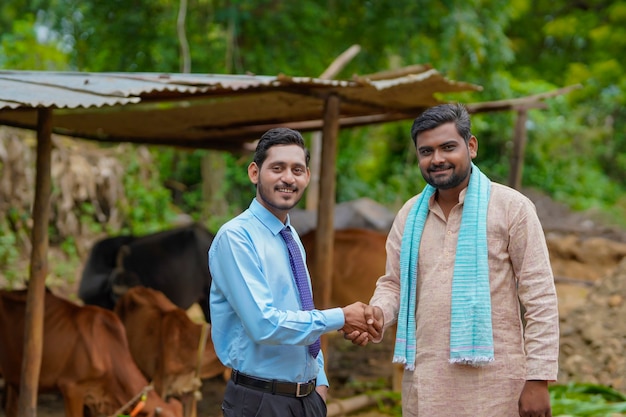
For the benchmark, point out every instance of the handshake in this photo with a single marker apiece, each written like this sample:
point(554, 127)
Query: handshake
point(364, 323)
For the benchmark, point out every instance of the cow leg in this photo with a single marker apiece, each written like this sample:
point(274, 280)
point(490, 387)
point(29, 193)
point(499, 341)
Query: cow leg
point(190, 404)
point(11, 400)
point(73, 400)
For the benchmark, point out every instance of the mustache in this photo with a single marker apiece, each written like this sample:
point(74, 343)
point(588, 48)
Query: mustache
point(443, 167)
point(287, 187)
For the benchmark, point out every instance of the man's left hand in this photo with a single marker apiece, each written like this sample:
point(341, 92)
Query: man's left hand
point(322, 390)
point(535, 400)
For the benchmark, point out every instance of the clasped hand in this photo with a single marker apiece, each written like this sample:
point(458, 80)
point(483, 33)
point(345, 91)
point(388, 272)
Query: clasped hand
point(364, 323)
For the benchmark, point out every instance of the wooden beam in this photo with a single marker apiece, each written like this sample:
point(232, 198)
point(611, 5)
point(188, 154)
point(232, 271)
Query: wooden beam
point(528, 102)
point(394, 73)
point(33, 332)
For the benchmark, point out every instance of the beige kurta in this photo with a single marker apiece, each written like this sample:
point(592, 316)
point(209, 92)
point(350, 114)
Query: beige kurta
point(519, 266)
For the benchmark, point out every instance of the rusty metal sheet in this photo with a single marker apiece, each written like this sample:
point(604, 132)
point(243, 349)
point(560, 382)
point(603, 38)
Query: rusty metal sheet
point(207, 110)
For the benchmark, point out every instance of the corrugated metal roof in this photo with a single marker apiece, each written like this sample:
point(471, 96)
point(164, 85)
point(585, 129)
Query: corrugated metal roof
point(208, 110)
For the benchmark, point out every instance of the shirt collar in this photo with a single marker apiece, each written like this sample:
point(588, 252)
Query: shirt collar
point(267, 218)
point(431, 200)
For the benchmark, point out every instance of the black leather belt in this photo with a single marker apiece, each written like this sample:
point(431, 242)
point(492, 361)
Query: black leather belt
point(290, 389)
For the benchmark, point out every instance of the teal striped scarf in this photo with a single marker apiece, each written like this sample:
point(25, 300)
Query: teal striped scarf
point(471, 337)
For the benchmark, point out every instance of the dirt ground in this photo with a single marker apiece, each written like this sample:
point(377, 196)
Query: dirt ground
point(590, 274)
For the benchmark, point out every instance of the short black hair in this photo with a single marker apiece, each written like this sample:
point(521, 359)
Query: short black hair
point(439, 115)
point(279, 136)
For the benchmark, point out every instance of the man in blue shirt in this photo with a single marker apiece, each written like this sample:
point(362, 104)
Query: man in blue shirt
point(260, 327)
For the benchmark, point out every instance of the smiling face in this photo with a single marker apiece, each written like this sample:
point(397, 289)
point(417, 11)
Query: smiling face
point(445, 158)
point(281, 179)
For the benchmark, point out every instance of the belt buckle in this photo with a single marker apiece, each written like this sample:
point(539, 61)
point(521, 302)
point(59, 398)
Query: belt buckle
point(306, 392)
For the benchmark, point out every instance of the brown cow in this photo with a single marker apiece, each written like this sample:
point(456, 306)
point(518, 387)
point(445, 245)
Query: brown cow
point(359, 259)
point(164, 342)
point(85, 357)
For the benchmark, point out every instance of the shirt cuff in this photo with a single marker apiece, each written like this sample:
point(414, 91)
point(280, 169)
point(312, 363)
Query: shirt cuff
point(542, 370)
point(335, 319)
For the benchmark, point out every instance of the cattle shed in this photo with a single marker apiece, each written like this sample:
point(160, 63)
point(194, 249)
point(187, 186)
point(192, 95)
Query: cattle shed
point(208, 111)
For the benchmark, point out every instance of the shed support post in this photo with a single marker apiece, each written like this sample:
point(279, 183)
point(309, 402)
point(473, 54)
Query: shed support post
point(322, 283)
point(33, 331)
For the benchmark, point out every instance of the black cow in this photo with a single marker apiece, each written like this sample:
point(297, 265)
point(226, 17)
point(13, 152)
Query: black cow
point(173, 262)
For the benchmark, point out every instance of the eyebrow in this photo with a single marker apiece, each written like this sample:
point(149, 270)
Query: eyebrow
point(450, 142)
point(285, 163)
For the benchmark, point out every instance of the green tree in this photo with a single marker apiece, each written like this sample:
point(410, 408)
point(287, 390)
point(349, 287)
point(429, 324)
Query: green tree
point(511, 48)
point(28, 44)
point(581, 43)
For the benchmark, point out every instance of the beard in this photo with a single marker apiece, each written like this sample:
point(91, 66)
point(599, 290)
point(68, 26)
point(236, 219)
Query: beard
point(266, 193)
point(452, 181)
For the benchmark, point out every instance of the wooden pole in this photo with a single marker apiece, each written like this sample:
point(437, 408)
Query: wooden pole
point(326, 206)
point(519, 143)
point(322, 282)
point(33, 331)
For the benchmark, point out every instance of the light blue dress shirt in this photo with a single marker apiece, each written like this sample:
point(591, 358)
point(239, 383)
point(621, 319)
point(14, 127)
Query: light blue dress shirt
point(257, 324)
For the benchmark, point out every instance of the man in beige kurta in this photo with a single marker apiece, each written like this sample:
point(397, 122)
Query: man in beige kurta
point(518, 265)
point(519, 273)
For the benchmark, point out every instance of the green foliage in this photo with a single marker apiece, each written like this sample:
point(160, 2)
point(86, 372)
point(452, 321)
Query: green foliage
point(240, 190)
point(378, 163)
point(148, 206)
point(28, 45)
point(65, 269)
point(390, 403)
point(582, 44)
point(586, 400)
point(9, 253)
point(184, 170)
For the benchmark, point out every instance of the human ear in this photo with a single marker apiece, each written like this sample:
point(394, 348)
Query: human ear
point(253, 172)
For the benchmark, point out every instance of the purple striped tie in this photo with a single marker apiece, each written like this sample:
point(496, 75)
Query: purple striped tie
point(299, 273)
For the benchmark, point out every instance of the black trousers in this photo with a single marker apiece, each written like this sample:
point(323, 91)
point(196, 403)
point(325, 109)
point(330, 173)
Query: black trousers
point(240, 401)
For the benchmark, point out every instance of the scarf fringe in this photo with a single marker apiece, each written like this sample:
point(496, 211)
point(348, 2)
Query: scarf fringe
point(402, 360)
point(476, 361)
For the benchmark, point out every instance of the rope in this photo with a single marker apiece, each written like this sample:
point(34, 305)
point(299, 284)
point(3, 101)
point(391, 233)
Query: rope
point(142, 394)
